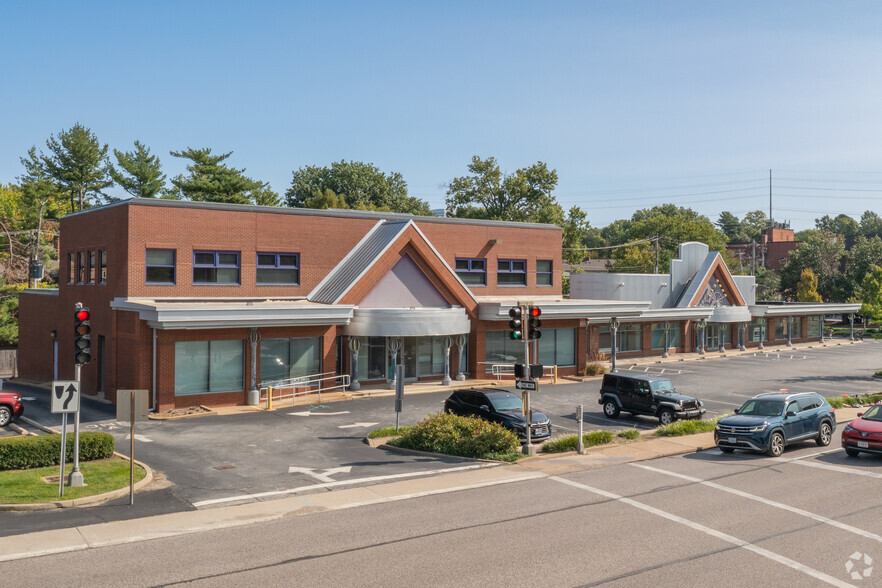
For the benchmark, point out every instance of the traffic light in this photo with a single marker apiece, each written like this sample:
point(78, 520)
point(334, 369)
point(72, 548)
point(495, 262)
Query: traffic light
point(534, 323)
point(82, 340)
point(516, 324)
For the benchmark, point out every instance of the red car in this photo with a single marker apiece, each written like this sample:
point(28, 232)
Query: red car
point(864, 433)
point(10, 407)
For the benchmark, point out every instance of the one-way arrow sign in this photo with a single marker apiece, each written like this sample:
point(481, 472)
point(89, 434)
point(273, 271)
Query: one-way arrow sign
point(525, 384)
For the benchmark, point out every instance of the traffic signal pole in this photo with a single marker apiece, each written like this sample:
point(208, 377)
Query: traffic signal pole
point(528, 412)
point(82, 354)
point(76, 476)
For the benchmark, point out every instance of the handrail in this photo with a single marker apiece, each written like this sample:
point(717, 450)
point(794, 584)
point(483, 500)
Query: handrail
point(498, 369)
point(303, 385)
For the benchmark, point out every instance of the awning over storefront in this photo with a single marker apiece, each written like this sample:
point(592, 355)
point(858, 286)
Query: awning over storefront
point(198, 313)
point(803, 309)
point(496, 309)
point(408, 322)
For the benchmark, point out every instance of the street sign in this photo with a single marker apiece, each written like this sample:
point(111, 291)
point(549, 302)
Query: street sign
point(525, 384)
point(124, 405)
point(65, 396)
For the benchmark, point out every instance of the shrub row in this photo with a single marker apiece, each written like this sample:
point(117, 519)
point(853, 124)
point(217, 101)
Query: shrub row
point(22, 453)
point(569, 442)
point(840, 401)
point(462, 436)
point(690, 427)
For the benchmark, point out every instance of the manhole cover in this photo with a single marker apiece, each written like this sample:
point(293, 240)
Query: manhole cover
point(221, 467)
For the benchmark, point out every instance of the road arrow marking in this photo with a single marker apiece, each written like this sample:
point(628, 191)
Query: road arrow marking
point(357, 425)
point(321, 477)
point(307, 413)
point(139, 438)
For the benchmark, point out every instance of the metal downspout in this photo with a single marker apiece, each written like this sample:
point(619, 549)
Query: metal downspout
point(153, 369)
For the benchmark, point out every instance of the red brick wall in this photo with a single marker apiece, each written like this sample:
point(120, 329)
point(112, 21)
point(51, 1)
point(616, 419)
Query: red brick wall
point(36, 321)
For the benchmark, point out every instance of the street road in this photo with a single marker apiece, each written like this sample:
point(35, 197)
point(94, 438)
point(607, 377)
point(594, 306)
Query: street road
point(254, 456)
point(704, 519)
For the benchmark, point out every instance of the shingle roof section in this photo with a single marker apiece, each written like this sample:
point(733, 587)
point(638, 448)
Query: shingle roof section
point(354, 265)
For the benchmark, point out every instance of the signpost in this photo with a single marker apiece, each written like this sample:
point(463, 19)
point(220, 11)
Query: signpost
point(399, 394)
point(65, 399)
point(131, 406)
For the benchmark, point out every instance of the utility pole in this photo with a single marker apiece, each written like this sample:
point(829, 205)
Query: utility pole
point(656, 254)
point(753, 257)
point(771, 222)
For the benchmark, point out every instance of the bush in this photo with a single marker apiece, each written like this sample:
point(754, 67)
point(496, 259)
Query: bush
point(594, 369)
point(569, 442)
point(840, 401)
point(691, 427)
point(387, 432)
point(629, 434)
point(22, 453)
point(461, 436)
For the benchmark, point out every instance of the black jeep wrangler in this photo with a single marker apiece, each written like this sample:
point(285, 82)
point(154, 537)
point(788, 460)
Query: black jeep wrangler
point(649, 395)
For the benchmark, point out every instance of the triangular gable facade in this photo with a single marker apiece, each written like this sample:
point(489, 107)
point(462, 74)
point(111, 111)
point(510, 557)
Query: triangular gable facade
point(716, 287)
point(410, 244)
point(405, 286)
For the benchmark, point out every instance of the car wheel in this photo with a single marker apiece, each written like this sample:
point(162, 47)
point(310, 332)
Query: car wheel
point(851, 452)
point(610, 409)
point(665, 417)
point(776, 445)
point(825, 434)
point(727, 449)
point(5, 416)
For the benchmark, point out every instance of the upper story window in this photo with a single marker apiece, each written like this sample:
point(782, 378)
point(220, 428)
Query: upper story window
point(543, 272)
point(473, 272)
point(93, 258)
point(278, 268)
point(102, 265)
point(511, 272)
point(71, 268)
point(160, 266)
point(215, 267)
point(81, 267)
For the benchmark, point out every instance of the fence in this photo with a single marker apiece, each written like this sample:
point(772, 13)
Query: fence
point(8, 363)
point(294, 387)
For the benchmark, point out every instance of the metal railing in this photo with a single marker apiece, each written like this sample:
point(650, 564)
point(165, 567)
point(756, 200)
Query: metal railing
point(500, 369)
point(294, 387)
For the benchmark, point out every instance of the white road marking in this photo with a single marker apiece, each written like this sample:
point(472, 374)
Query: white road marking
point(712, 532)
point(339, 427)
point(835, 468)
point(259, 495)
point(137, 438)
point(308, 413)
point(324, 476)
point(765, 501)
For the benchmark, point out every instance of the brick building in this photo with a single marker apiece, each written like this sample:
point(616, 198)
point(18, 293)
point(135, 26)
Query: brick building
point(201, 303)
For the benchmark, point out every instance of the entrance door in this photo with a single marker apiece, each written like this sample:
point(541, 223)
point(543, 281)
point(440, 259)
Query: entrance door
point(408, 357)
point(713, 336)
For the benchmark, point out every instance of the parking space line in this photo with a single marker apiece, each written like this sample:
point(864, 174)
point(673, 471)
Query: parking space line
point(817, 574)
point(766, 501)
point(833, 468)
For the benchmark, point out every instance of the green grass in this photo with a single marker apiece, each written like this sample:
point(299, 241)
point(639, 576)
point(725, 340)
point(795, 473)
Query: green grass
point(630, 434)
point(27, 486)
point(690, 427)
point(388, 432)
point(569, 442)
point(840, 401)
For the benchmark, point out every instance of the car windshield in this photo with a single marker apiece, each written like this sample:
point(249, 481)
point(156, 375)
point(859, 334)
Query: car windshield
point(662, 387)
point(506, 402)
point(874, 414)
point(762, 408)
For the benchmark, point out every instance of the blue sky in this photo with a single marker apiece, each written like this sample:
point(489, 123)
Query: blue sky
point(633, 103)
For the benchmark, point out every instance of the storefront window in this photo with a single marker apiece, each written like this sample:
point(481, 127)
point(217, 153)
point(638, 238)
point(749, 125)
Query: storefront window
point(628, 338)
point(658, 336)
point(431, 356)
point(281, 359)
point(814, 326)
point(203, 367)
point(372, 358)
point(797, 328)
point(558, 347)
point(501, 349)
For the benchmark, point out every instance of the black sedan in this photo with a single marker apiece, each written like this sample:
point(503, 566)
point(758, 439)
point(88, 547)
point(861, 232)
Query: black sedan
point(498, 406)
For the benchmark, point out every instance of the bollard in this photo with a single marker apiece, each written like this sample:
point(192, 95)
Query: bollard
point(269, 398)
point(554, 375)
point(580, 444)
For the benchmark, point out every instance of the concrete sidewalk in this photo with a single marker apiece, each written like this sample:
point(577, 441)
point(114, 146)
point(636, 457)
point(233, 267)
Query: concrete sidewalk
point(481, 475)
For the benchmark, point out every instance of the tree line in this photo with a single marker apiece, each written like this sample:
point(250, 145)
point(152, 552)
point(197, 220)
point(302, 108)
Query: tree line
point(75, 171)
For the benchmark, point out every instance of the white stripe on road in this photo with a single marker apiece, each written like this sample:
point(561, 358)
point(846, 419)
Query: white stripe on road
point(833, 468)
point(326, 485)
point(765, 501)
point(712, 532)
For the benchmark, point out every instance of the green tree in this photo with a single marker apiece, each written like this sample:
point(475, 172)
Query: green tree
point(823, 253)
point(487, 193)
point(41, 197)
point(77, 163)
point(841, 225)
point(871, 224)
point(211, 180)
point(807, 287)
point(860, 260)
point(637, 259)
point(753, 224)
point(768, 284)
point(361, 186)
point(732, 228)
point(9, 314)
point(139, 173)
point(575, 231)
point(871, 295)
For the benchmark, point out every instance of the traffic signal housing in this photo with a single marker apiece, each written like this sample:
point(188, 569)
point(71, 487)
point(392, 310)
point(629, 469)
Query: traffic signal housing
point(516, 323)
point(534, 323)
point(82, 337)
